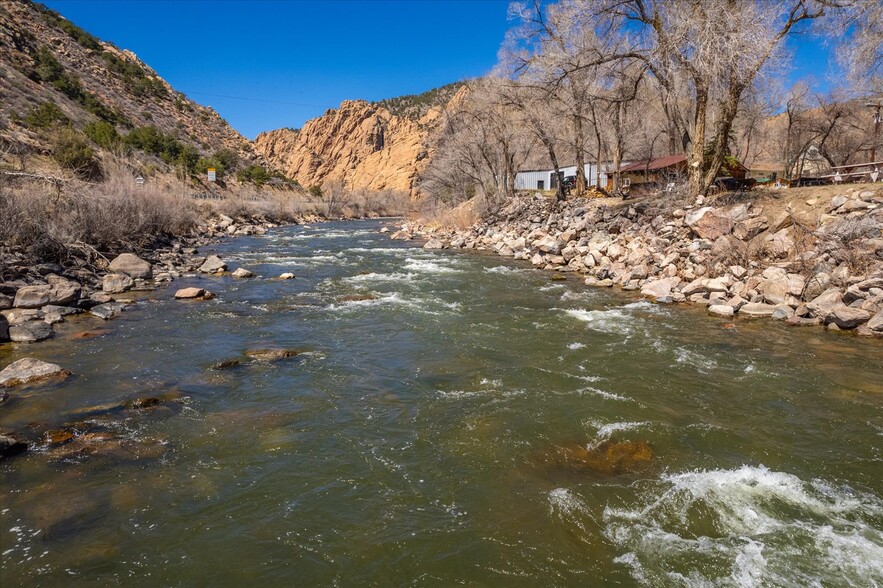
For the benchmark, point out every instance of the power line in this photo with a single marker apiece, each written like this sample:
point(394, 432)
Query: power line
point(253, 99)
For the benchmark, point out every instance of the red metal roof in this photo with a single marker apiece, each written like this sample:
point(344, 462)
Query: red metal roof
point(655, 164)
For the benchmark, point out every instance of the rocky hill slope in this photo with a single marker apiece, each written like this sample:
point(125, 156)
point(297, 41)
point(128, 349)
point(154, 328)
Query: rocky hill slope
point(373, 146)
point(55, 77)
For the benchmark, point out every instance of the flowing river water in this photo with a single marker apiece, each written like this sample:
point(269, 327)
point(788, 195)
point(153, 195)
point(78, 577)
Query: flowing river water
point(451, 419)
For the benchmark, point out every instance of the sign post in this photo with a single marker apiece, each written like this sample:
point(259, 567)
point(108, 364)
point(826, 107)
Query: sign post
point(212, 174)
point(139, 180)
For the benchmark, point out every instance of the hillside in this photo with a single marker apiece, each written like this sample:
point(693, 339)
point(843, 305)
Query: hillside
point(375, 146)
point(65, 90)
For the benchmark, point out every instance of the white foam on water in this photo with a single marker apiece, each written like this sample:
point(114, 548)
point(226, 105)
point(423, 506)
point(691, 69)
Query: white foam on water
point(393, 250)
point(380, 277)
point(604, 321)
point(605, 431)
point(550, 287)
point(567, 507)
point(427, 266)
point(643, 305)
point(603, 394)
point(433, 306)
point(575, 346)
point(502, 269)
point(766, 528)
point(695, 359)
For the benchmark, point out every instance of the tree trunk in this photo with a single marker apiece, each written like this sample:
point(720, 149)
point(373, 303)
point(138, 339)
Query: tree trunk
point(695, 159)
point(553, 157)
point(580, 184)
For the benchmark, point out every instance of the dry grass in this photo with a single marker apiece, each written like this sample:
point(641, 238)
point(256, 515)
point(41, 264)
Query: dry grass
point(53, 222)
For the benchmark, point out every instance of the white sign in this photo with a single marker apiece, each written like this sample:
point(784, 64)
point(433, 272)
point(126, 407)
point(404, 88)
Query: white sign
point(212, 174)
point(139, 180)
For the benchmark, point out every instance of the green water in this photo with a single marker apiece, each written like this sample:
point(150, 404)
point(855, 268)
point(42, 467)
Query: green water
point(422, 438)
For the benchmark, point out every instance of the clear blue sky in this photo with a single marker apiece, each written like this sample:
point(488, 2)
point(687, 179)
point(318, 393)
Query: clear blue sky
point(311, 55)
point(293, 60)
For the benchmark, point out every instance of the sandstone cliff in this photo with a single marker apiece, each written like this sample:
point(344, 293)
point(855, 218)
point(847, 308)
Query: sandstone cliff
point(362, 144)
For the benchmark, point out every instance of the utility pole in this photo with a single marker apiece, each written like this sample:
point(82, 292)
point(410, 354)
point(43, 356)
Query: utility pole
point(877, 121)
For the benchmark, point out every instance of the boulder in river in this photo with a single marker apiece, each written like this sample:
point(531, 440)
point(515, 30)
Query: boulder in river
point(28, 370)
point(131, 265)
point(10, 447)
point(286, 276)
point(241, 272)
point(107, 311)
point(271, 354)
point(193, 294)
point(607, 457)
point(213, 265)
point(30, 331)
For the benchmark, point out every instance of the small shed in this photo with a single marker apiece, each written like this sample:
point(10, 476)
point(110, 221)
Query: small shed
point(657, 172)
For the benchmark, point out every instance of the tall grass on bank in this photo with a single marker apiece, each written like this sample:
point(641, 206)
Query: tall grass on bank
point(53, 222)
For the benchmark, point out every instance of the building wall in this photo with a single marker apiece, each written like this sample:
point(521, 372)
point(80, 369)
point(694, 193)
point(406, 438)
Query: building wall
point(527, 180)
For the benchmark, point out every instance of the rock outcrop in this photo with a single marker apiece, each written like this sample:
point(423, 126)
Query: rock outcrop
point(360, 143)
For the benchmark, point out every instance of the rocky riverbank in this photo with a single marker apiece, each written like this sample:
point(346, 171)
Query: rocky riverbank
point(799, 257)
point(33, 298)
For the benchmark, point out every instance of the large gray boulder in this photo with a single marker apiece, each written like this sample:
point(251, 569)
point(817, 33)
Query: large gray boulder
point(30, 332)
point(657, 289)
point(709, 223)
point(822, 304)
point(131, 265)
point(876, 323)
point(757, 310)
point(32, 296)
point(27, 370)
point(63, 291)
point(108, 310)
point(114, 283)
point(847, 317)
point(748, 229)
point(213, 265)
point(241, 272)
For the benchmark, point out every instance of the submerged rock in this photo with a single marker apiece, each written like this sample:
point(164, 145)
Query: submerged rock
point(10, 447)
point(608, 457)
point(226, 364)
point(28, 370)
point(271, 354)
point(356, 297)
point(108, 310)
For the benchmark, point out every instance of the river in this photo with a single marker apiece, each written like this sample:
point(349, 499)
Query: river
point(451, 418)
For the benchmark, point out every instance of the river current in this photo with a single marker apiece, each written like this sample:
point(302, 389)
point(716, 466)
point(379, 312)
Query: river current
point(449, 420)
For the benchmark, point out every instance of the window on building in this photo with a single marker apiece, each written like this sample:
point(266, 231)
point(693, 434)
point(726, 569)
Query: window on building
point(541, 185)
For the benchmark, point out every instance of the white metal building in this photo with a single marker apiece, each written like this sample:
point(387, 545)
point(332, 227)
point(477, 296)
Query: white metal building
point(546, 180)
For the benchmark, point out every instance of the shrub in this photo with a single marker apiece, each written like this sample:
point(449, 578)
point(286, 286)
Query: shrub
point(151, 140)
point(256, 174)
point(316, 191)
point(103, 134)
point(45, 115)
point(110, 217)
point(72, 152)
